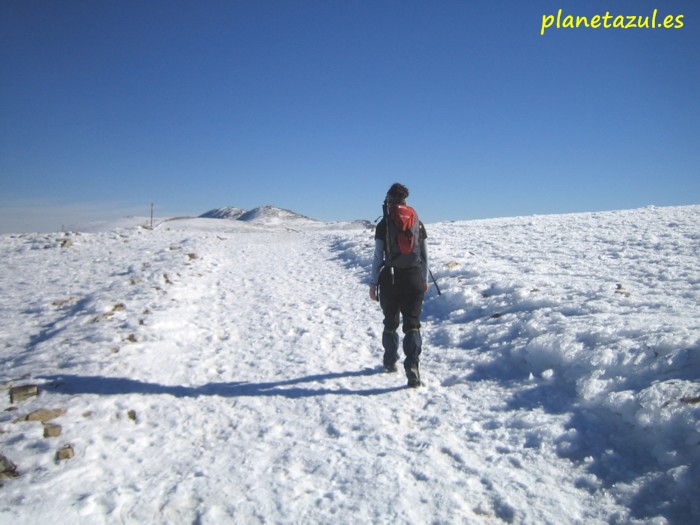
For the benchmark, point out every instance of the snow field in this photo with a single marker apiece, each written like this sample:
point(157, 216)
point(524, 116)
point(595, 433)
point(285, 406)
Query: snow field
point(215, 372)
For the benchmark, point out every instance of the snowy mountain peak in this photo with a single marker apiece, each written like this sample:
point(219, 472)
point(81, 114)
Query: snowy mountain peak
point(271, 214)
point(262, 214)
point(228, 212)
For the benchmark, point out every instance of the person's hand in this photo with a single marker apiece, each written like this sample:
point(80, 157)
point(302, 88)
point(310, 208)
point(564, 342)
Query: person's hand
point(373, 292)
point(425, 286)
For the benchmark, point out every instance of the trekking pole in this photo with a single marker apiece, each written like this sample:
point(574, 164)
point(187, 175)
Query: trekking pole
point(434, 282)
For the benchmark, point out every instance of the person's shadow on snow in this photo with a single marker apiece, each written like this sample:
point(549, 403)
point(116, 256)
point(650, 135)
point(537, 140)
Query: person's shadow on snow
point(74, 384)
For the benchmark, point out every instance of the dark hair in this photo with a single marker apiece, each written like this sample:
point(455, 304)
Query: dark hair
point(397, 193)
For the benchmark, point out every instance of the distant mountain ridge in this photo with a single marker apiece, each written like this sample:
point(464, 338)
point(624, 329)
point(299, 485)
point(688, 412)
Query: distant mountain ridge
point(227, 212)
point(264, 214)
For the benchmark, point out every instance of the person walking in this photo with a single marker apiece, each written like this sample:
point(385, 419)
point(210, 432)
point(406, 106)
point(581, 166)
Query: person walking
point(399, 280)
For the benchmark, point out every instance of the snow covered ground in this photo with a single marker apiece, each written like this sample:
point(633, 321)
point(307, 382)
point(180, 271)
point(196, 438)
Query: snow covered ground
point(216, 371)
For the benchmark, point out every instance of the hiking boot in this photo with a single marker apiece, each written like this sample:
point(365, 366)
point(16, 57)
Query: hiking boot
point(391, 368)
point(415, 383)
point(413, 374)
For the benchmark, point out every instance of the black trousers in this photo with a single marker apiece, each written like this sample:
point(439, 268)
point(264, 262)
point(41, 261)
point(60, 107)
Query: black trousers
point(402, 298)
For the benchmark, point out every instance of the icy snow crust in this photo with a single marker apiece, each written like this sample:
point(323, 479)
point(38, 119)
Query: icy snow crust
point(221, 371)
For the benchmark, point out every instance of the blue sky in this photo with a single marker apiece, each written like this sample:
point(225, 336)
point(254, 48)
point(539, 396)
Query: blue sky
point(319, 105)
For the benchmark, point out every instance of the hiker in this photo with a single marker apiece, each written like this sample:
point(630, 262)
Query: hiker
point(399, 280)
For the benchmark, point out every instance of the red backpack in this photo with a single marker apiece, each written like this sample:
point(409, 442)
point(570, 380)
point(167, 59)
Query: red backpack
point(406, 222)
